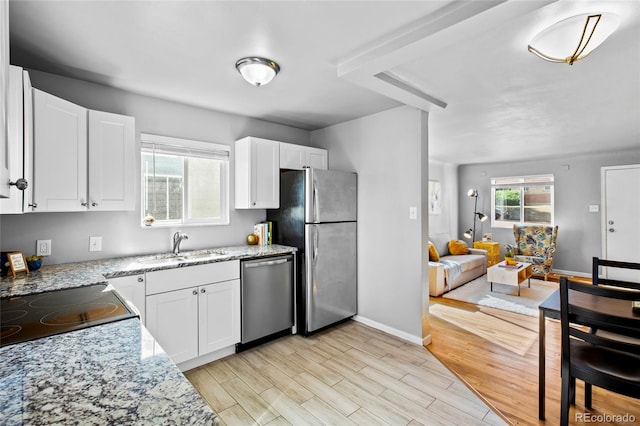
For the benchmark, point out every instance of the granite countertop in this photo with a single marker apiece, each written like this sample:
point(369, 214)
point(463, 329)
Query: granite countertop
point(114, 373)
point(109, 374)
point(67, 275)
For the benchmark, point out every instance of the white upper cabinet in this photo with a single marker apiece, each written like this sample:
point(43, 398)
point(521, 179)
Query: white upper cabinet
point(83, 160)
point(297, 157)
point(111, 157)
point(20, 138)
point(4, 91)
point(60, 154)
point(257, 173)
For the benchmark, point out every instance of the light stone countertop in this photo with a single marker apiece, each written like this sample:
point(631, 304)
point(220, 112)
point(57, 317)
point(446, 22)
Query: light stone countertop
point(68, 275)
point(114, 373)
point(110, 374)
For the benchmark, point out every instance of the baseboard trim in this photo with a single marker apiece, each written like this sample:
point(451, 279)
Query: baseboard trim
point(390, 330)
point(571, 273)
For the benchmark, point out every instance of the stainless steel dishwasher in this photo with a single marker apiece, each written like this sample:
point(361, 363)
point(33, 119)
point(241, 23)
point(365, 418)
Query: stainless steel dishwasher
point(267, 292)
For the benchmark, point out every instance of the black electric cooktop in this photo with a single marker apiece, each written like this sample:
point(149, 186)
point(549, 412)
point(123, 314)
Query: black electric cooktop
point(30, 317)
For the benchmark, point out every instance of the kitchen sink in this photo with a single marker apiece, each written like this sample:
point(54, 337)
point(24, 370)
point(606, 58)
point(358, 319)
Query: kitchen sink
point(171, 259)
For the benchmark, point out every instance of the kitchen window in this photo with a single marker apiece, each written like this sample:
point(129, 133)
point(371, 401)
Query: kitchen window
point(522, 200)
point(184, 182)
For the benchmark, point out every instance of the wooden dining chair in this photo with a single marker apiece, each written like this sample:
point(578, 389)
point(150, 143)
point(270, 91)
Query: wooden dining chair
point(597, 360)
point(598, 280)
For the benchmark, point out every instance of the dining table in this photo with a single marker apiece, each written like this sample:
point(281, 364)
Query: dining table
point(550, 308)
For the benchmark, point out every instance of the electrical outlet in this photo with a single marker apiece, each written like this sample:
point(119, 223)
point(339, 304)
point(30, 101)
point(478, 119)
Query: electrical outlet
point(594, 208)
point(95, 243)
point(43, 247)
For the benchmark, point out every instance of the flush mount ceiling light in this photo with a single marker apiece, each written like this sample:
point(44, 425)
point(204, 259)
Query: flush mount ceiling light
point(574, 38)
point(257, 71)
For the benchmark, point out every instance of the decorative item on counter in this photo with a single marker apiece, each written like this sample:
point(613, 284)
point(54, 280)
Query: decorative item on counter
point(487, 237)
point(34, 262)
point(264, 232)
point(148, 220)
point(17, 263)
point(252, 239)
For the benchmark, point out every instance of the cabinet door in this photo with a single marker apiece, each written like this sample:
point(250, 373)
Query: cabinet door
point(15, 150)
point(172, 318)
point(316, 158)
point(219, 312)
point(4, 89)
point(111, 161)
point(292, 156)
point(257, 170)
point(132, 289)
point(60, 154)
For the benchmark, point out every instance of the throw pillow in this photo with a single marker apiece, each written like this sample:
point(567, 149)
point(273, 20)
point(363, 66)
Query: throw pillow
point(457, 247)
point(434, 256)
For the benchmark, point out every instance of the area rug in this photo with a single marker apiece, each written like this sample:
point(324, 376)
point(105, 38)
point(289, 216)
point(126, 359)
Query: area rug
point(504, 297)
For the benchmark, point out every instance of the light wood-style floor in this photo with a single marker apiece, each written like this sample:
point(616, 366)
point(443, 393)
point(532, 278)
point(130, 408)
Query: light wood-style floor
point(508, 380)
point(350, 374)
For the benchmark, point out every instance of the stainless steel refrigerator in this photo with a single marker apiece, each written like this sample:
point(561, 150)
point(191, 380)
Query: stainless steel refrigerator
point(317, 214)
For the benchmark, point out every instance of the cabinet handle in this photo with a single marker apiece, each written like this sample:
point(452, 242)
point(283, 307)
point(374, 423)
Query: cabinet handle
point(84, 203)
point(140, 279)
point(34, 205)
point(203, 290)
point(195, 292)
point(94, 204)
point(20, 183)
point(254, 203)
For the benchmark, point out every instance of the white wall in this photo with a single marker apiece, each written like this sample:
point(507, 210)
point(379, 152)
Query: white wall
point(577, 185)
point(385, 150)
point(121, 231)
point(446, 222)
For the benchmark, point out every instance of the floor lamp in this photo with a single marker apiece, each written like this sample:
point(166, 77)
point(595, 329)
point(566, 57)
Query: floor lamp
point(471, 233)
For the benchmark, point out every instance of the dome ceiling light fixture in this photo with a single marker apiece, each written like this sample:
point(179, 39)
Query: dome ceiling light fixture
point(574, 38)
point(257, 71)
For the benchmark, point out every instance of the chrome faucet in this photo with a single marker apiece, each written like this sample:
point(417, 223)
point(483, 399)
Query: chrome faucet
point(177, 239)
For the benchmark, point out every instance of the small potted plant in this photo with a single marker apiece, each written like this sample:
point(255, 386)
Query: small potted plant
point(34, 262)
point(508, 255)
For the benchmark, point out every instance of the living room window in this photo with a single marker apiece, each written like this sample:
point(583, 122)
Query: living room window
point(522, 200)
point(184, 182)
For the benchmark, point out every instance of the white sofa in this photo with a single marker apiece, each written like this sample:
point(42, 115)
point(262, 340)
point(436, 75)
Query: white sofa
point(472, 265)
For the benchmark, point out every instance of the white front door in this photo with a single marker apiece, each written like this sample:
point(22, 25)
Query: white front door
point(620, 224)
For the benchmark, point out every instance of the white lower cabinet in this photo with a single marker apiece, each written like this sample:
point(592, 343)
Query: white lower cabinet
point(197, 318)
point(218, 316)
point(132, 289)
point(172, 318)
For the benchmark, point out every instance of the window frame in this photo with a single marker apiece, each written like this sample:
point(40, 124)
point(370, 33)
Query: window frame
point(187, 148)
point(521, 183)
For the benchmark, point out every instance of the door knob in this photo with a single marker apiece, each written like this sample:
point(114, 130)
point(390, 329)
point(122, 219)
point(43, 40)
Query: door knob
point(203, 291)
point(140, 279)
point(610, 222)
point(195, 292)
point(94, 204)
point(611, 230)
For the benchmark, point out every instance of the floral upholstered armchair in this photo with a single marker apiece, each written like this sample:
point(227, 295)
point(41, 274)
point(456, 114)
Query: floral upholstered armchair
point(535, 245)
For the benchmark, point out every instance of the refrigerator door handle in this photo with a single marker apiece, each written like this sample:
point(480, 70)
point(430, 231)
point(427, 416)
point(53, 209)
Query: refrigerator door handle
point(315, 202)
point(316, 242)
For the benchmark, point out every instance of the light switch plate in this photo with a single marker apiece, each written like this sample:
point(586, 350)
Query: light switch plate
point(95, 243)
point(413, 213)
